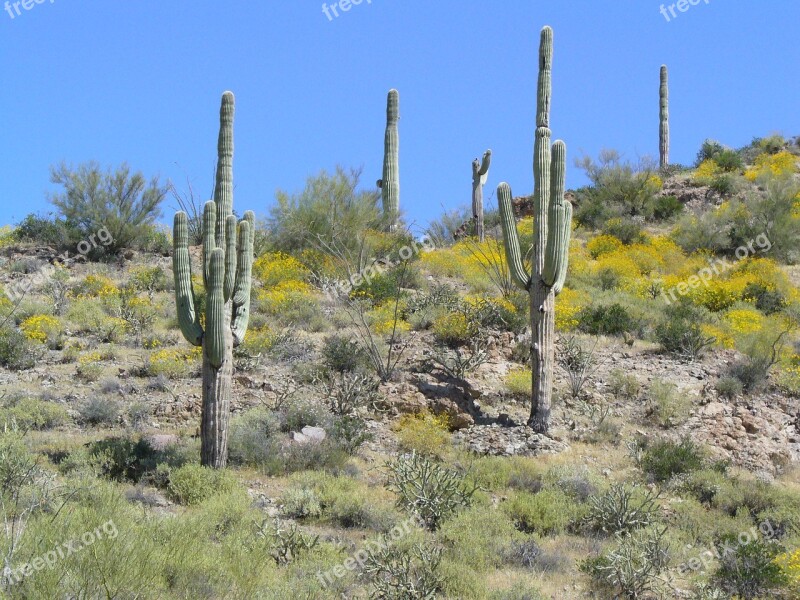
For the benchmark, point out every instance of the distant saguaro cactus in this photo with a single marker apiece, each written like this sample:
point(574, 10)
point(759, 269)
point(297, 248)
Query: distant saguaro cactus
point(390, 183)
point(663, 145)
point(480, 172)
point(227, 275)
point(552, 220)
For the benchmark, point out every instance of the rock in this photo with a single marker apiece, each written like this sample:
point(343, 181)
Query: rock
point(309, 434)
point(162, 441)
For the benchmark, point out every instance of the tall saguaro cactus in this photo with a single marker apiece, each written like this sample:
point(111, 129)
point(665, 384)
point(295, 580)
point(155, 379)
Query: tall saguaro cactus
point(390, 183)
point(552, 220)
point(227, 275)
point(480, 172)
point(663, 133)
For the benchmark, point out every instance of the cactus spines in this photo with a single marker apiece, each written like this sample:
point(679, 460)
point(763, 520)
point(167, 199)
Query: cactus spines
point(480, 172)
point(552, 230)
point(663, 133)
point(227, 274)
point(390, 183)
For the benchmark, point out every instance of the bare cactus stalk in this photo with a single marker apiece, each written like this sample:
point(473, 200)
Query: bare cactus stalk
point(664, 118)
point(480, 172)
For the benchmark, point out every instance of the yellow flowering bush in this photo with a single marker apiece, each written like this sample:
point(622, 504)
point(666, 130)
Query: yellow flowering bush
point(174, 363)
point(603, 244)
point(89, 365)
point(453, 329)
point(721, 337)
point(706, 171)
point(275, 268)
point(424, 433)
point(569, 304)
point(258, 340)
point(780, 164)
point(382, 320)
point(789, 562)
point(42, 328)
point(95, 286)
point(745, 320)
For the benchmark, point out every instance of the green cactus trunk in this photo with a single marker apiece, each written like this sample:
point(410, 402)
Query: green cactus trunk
point(663, 133)
point(550, 252)
point(480, 172)
point(390, 182)
point(227, 275)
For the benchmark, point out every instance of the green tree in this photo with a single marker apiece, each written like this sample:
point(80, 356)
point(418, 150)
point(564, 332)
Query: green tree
point(118, 201)
point(330, 208)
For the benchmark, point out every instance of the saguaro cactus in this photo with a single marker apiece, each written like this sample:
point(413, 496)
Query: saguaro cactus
point(227, 275)
point(552, 220)
point(663, 133)
point(480, 171)
point(390, 183)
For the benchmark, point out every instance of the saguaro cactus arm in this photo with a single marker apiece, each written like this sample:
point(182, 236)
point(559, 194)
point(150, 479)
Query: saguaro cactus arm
point(559, 228)
point(508, 223)
point(480, 168)
point(244, 274)
point(188, 317)
point(215, 310)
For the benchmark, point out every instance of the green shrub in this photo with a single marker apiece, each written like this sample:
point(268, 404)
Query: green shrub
point(192, 484)
point(709, 150)
point(46, 231)
point(624, 385)
point(768, 301)
point(665, 459)
point(343, 354)
point(28, 413)
point(729, 161)
point(681, 332)
point(99, 411)
point(404, 573)
point(300, 504)
point(548, 512)
point(625, 230)
point(613, 319)
point(666, 404)
point(729, 387)
point(477, 536)
point(750, 571)
point(666, 207)
point(16, 351)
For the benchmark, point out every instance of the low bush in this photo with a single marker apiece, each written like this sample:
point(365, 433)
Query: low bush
point(548, 512)
point(424, 433)
point(16, 351)
point(29, 413)
point(99, 411)
point(612, 319)
point(666, 404)
point(665, 459)
point(750, 571)
point(192, 484)
point(624, 385)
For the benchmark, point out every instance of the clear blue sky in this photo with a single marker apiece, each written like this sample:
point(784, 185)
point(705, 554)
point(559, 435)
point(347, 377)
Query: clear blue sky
point(141, 82)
